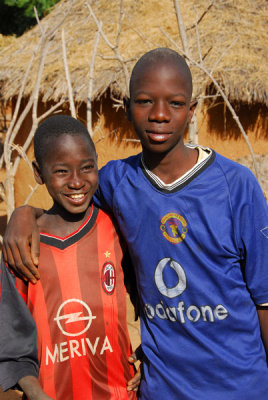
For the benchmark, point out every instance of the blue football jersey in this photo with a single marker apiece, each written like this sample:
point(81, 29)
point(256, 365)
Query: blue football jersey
point(200, 252)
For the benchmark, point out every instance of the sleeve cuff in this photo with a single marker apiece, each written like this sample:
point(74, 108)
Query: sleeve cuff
point(11, 372)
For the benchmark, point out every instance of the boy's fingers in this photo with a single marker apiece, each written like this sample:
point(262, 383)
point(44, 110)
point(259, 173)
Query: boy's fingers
point(26, 266)
point(18, 257)
point(132, 359)
point(35, 248)
point(12, 264)
point(134, 383)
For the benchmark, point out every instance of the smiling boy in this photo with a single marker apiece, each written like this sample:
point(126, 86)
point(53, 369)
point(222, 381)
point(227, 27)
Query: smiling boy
point(79, 304)
point(195, 224)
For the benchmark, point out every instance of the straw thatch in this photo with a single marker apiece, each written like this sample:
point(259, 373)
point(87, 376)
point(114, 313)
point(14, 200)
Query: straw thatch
point(241, 24)
point(6, 40)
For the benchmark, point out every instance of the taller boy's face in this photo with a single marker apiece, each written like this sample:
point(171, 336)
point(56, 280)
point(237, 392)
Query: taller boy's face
point(70, 173)
point(160, 106)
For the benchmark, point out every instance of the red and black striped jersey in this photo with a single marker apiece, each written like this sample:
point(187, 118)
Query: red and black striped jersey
point(79, 306)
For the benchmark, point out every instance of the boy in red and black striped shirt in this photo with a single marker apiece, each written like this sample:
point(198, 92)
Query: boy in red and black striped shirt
point(79, 304)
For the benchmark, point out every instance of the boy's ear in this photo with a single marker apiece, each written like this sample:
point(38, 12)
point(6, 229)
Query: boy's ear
point(193, 105)
point(126, 101)
point(37, 173)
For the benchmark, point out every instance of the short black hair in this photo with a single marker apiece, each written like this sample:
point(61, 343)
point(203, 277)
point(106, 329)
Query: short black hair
point(162, 54)
point(53, 127)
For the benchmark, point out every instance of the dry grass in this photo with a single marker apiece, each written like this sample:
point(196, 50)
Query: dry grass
point(242, 71)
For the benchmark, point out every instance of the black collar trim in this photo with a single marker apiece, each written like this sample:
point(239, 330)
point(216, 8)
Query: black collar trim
point(182, 182)
point(63, 243)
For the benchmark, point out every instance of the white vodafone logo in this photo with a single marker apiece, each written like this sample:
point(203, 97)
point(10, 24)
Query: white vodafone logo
point(180, 286)
point(74, 318)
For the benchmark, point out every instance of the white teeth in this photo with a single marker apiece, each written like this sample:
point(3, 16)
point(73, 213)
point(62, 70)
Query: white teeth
point(76, 196)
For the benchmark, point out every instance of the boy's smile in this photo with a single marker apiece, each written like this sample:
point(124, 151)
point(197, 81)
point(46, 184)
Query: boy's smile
point(70, 173)
point(159, 106)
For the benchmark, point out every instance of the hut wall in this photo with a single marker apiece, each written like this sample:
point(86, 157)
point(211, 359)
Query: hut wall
point(218, 130)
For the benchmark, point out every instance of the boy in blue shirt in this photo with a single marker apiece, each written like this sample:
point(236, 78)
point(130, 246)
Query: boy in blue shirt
point(196, 225)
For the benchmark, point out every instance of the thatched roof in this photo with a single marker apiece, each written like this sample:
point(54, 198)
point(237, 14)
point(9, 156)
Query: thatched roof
point(6, 40)
point(241, 24)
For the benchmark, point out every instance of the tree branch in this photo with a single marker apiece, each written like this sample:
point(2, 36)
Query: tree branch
point(67, 74)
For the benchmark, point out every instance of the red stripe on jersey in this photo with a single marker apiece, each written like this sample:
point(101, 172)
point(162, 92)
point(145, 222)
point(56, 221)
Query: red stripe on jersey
point(106, 253)
point(38, 307)
point(123, 340)
point(90, 278)
point(71, 293)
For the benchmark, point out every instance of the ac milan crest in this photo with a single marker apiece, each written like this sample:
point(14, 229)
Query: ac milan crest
point(108, 277)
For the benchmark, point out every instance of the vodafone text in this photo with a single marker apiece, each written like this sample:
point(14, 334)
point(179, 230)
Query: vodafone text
point(180, 313)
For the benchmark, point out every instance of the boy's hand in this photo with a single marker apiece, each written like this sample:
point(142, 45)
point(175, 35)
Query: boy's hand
point(31, 387)
point(134, 383)
point(21, 243)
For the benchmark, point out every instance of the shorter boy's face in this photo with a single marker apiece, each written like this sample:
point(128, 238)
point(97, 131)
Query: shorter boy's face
point(160, 106)
point(70, 173)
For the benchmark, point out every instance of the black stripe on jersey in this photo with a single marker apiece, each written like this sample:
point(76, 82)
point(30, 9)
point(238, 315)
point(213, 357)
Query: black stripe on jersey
point(182, 182)
point(64, 243)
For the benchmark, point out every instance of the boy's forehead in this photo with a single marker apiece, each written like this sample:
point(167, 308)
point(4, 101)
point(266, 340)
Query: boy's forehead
point(153, 66)
point(62, 140)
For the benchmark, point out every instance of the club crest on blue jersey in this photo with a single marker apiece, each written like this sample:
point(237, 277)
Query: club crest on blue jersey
point(174, 227)
point(108, 277)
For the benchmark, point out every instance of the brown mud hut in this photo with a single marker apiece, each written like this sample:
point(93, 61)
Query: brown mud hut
point(228, 38)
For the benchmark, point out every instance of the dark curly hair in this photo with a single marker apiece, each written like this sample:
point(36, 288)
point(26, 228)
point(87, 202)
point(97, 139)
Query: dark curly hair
point(53, 127)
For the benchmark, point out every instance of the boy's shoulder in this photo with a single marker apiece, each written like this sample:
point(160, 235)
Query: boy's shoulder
point(114, 170)
point(123, 163)
point(238, 177)
point(230, 167)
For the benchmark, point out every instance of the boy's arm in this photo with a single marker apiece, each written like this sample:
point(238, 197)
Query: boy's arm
point(263, 318)
point(18, 342)
point(31, 387)
point(21, 242)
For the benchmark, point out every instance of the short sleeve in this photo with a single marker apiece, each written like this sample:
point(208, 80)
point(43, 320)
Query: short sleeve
point(252, 222)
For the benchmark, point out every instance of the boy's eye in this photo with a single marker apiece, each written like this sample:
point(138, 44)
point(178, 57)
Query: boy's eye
point(177, 103)
point(143, 101)
point(87, 167)
point(60, 171)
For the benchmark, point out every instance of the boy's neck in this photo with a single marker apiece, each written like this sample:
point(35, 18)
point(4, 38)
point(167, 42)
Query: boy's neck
point(59, 222)
point(172, 165)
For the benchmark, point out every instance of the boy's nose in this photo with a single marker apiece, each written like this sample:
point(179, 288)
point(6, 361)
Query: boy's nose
point(159, 112)
point(76, 181)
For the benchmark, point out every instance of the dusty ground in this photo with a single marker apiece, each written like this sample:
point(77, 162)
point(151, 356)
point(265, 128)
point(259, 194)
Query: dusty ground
point(262, 162)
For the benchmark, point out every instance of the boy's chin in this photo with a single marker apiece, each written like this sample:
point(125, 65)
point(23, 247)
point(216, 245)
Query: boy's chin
point(71, 213)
